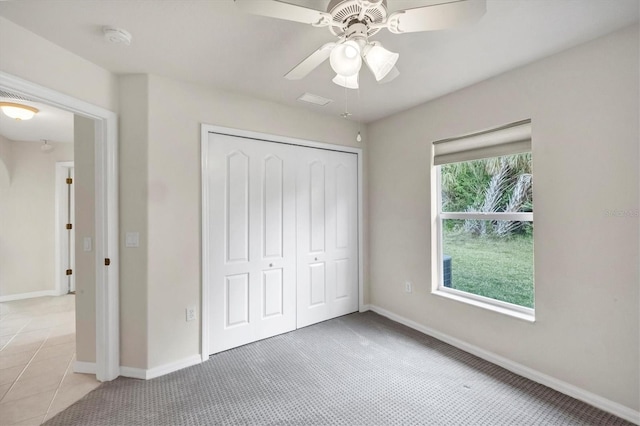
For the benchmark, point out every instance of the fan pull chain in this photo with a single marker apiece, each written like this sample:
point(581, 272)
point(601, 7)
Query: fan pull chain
point(346, 112)
point(359, 137)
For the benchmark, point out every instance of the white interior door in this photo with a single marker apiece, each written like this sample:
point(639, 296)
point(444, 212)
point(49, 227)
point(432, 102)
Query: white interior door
point(72, 232)
point(252, 240)
point(65, 228)
point(327, 235)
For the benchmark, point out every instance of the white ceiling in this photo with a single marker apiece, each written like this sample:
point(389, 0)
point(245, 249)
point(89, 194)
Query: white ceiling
point(49, 123)
point(214, 44)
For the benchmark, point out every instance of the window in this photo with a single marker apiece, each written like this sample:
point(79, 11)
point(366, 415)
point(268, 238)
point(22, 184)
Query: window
point(484, 220)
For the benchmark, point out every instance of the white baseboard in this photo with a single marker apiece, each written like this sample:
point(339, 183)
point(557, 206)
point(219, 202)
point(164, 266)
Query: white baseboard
point(151, 373)
point(364, 308)
point(84, 367)
point(564, 387)
point(31, 295)
point(134, 373)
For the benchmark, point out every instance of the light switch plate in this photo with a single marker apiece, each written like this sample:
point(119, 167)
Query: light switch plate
point(132, 239)
point(86, 244)
point(191, 313)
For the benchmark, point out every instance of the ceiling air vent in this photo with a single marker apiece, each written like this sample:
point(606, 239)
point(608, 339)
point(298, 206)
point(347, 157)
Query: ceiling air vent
point(9, 95)
point(314, 99)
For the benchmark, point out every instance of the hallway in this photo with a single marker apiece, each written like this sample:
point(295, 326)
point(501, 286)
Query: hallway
point(37, 351)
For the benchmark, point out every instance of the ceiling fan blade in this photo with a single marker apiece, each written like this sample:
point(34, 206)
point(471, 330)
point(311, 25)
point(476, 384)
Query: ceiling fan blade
point(436, 17)
point(390, 76)
point(310, 62)
point(281, 10)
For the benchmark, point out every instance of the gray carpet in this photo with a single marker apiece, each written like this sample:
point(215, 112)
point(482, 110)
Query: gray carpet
point(360, 369)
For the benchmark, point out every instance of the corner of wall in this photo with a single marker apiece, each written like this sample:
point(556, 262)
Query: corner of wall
point(133, 167)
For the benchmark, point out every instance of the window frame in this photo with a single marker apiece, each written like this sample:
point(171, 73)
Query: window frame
point(439, 289)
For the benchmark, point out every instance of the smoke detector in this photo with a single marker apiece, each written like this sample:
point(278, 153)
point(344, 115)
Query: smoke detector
point(117, 35)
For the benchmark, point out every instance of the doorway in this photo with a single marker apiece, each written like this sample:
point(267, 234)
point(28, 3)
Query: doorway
point(107, 363)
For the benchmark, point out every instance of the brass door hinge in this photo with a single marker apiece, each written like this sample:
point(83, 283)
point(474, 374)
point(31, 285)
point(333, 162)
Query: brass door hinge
point(69, 181)
point(69, 226)
point(69, 271)
point(107, 262)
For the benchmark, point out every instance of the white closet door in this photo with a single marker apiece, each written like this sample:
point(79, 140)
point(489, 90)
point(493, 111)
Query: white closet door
point(327, 235)
point(252, 240)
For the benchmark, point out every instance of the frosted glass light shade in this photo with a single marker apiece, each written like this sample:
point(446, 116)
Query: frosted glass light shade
point(345, 58)
point(380, 60)
point(18, 111)
point(46, 147)
point(350, 82)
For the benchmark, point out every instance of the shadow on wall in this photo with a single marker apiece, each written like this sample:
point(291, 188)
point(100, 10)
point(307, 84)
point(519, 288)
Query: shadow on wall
point(5, 177)
point(5, 162)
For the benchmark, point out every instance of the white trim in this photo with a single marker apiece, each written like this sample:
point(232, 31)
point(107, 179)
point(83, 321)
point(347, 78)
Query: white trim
point(204, 226)
point(515, 217)
point(209, 128)
point(134, 373)
point(204, 135)
point(31, 295)
point(364, 308)
point(84, 367)
point(152, 373)
point(173, 366)
point(360, 230)
point(61, 244)
point(516, 311)
point(106, 215)
point(519, 369)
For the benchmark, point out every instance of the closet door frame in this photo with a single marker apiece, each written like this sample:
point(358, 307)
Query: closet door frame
point(206, 129)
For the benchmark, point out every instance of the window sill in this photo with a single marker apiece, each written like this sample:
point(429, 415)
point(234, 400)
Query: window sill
point(529, 317)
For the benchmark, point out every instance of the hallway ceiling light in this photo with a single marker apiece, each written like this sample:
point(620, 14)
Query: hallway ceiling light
point(18, 111)
point(45, 147)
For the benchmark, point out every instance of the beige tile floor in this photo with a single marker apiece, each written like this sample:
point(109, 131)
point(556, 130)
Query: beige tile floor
point(37, 351)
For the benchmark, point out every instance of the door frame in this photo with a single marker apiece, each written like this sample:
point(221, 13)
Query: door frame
point(62, 244)
point(206, 129)
point(107, 366)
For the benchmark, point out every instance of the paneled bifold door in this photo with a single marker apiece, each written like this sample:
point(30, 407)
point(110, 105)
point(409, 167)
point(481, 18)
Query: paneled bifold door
point(327, 235)
point(282, 237)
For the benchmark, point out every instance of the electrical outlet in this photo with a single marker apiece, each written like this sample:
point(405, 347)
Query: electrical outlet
point(408, 287)
point(191, 313)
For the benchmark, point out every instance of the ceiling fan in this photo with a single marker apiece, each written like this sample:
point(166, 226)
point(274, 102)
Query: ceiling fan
point(353, 22)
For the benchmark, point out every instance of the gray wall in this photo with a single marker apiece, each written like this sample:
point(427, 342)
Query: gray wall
point(27, 217)
point(584, 107)
point(84, 186)
point(160, 199)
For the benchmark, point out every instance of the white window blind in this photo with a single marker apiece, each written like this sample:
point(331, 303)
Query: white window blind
point(510, 139)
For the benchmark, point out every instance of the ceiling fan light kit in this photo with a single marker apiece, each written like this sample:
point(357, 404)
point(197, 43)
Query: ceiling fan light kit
point(379, 60)
point(353, 22)
point(345, 58)
point(18, 111)
point(350, 81)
